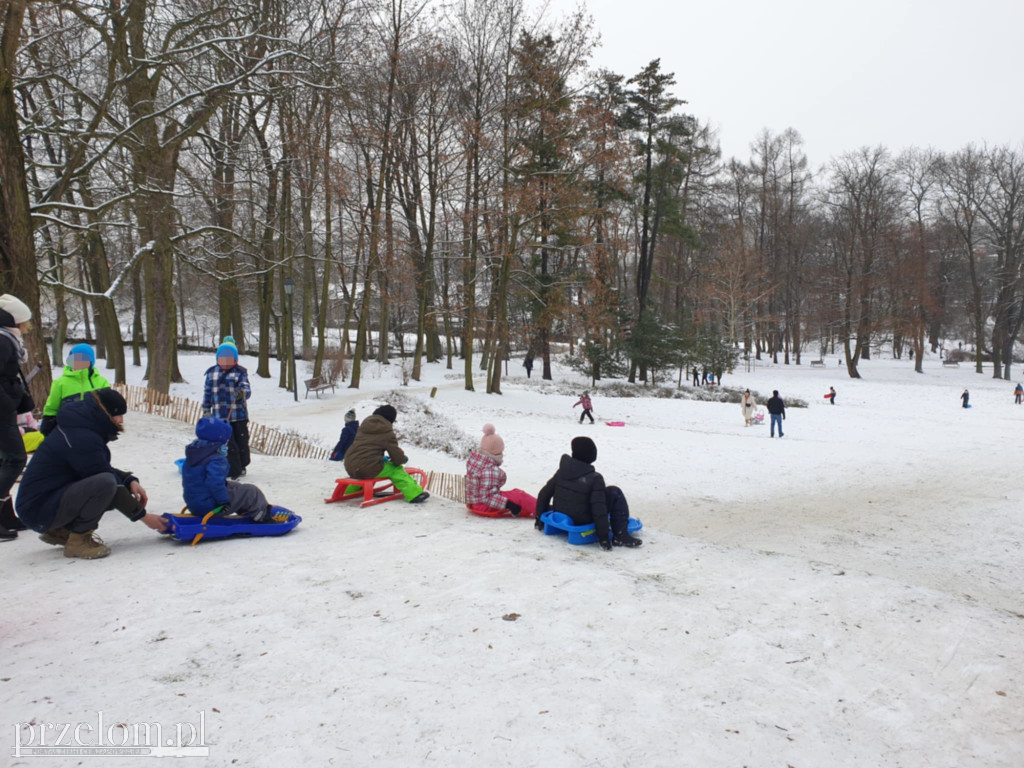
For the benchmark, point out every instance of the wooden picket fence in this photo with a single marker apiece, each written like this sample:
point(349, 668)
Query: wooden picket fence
point(447, 485)
point(264, 439)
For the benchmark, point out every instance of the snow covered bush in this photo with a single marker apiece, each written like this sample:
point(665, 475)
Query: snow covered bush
point(419, 425)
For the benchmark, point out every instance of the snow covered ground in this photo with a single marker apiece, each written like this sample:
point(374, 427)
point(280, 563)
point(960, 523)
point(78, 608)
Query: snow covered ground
point(849, 595)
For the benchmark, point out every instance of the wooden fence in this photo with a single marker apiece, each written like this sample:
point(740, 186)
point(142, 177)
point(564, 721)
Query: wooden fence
point(263, 439)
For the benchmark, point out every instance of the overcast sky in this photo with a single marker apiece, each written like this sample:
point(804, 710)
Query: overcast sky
point(937, 73)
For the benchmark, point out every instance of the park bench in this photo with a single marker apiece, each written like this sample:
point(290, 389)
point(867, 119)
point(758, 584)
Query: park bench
point(950, 364)
point(817, 363)
point(318, 384)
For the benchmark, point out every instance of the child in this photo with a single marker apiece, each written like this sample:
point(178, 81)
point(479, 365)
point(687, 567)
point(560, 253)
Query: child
point(578, 491)
point(79, 377)
point(966, 397)
point(484, 478)
point(204, 477)
point(30, 434)
point(587, 407)
point(348, 434)
point(832, 395)
point(1017, 393)
point(365, 457)
point(227, 389)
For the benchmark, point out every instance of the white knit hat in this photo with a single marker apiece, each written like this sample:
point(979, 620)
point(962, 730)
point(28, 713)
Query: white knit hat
point(491, 443)
point(16, 308)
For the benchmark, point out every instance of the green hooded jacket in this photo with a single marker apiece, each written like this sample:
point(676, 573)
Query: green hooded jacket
point(71, 383)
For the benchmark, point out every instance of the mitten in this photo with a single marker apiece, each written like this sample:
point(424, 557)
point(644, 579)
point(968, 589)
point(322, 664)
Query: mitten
point(513, 508)
point(239, 394)
point(225, 509)
point(538, 523)
point(605, 544)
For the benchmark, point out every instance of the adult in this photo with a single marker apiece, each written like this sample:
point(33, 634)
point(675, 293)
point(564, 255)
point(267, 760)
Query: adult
point(777, 409)
point(528, 364)
point(748, 404)
point(224, 395)
point(70, 482)
point(15, 319)
point(966, 397)
point(832, 395)
point(79, 376)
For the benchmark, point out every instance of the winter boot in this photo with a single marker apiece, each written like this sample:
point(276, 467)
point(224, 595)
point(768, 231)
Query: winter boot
point(6, 535)
point(420, 499)
point(86, 546)
point(8, 519)
point(625, 540)
point(56, 536)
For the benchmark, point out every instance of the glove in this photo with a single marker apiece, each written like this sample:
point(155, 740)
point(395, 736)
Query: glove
point(239, 394)
point(513, 508)
point(605, 545)
point(538, 523)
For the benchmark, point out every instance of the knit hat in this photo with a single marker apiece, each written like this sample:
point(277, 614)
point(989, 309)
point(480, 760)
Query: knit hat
point(227, 350)
point(584, 449)
point(112, 401)
point(82, 349)
point(17, 309)
point(350, 415)
point(388, 412)
point(491, 443)
point(213, 430)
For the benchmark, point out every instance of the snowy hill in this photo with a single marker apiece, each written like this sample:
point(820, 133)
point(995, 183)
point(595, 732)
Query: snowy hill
point(850, 595)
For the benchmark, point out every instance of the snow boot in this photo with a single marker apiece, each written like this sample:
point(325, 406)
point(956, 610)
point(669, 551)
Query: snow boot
point(56, 536)
point(420, 499)
point(6, 535)
point(85, 546)
point(8, 519)
point(625, 540)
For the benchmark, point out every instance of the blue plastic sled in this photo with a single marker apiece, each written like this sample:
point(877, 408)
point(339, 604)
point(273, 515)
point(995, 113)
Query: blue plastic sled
point(557, 522)
point(193, 528)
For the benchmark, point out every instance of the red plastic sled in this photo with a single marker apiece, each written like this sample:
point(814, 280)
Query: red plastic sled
point(615, 423)
point(369, 491)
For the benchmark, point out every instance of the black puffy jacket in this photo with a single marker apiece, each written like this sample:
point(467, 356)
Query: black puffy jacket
point(577, 490)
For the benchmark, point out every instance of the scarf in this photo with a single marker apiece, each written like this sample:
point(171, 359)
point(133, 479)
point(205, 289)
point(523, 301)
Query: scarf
point(15, 336)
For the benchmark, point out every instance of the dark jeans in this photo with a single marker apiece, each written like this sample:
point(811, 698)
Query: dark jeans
point(238, 448)
point(586, 414)
point(85, 502)
point(12, 458)
point(776, 419)
point(618, 509)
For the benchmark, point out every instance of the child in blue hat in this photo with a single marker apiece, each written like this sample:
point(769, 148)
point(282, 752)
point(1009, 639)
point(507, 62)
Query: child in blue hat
point(204, 477)
point(79, 376)
point(227, 389)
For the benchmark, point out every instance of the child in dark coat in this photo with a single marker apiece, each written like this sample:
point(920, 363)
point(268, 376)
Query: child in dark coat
point(204, 477)
point(348, 434)
point(578, 490)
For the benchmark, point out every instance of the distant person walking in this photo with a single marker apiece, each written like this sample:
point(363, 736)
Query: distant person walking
point(1017, 394)
point(832, 395)
point(528, 365)
point(966, 397)
point(696, 377)
point(588, 408)
point(748, 404)
point(777, 409)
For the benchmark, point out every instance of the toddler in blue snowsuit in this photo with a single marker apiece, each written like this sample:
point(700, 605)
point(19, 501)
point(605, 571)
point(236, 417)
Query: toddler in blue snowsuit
point(348, 434)
point(204, 477)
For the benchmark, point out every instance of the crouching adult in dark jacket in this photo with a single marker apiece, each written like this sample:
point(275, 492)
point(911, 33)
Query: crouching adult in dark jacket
point(69, 483)
point(578, 490)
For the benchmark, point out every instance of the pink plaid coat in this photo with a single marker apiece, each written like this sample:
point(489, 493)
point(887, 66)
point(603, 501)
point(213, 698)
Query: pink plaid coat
point(484, 479)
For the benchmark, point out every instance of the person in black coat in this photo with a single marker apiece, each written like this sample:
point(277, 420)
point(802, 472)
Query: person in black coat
point(70, 483)
point(15, 318)
point(777, 409)
point(578, 490)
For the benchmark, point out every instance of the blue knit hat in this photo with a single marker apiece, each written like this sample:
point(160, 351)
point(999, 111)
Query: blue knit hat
point(82, 349)
point(229, 340)
point(213, 430)
point(227, 350)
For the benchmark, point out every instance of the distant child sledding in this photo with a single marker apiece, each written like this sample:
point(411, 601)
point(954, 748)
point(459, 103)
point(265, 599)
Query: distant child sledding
point(484, 478)
point(348, 434)
point(588, 408)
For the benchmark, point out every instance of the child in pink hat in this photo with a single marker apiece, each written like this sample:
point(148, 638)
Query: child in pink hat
point(484, 478)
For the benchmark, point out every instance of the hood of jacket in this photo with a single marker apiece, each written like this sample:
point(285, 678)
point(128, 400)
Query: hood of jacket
point(375, 426)
point(199, 451)
point(573, 469)
point(87, 414)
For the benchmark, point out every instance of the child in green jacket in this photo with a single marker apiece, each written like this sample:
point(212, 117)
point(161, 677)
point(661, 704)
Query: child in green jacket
point(79, 377)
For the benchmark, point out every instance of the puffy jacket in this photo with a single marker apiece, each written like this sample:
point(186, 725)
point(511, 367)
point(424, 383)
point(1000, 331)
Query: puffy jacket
point(348, 434)
point(484, 479)
point(71, 383)
point(365, 458)
point(225, 393)
point(577, 490)
point(76, 449)
point(204, 476)
point(775, 405)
